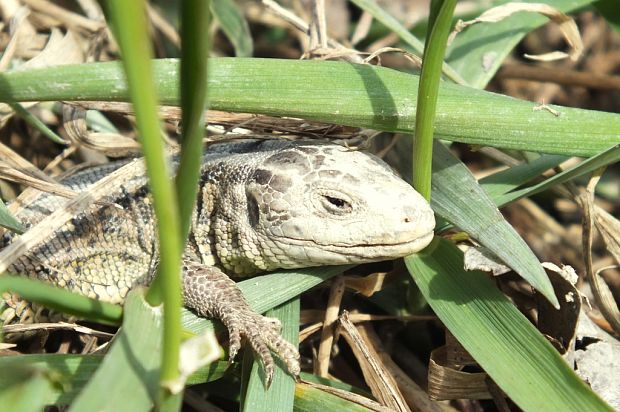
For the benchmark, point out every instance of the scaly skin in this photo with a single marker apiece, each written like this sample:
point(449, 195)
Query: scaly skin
point(261, 206)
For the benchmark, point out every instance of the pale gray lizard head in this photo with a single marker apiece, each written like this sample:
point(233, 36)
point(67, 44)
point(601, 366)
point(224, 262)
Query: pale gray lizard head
point(299, 205)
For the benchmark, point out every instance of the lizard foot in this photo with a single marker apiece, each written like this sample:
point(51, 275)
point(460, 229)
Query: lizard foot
point(211, 293)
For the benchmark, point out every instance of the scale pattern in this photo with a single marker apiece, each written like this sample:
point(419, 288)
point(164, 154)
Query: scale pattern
point(261, 205)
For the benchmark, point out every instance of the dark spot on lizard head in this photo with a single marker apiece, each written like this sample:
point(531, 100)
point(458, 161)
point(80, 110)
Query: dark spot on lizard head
point(253, 212)
point(289, 160)
point(262, 176)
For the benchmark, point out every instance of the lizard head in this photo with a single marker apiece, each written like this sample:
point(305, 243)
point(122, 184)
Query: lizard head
point(310, 205)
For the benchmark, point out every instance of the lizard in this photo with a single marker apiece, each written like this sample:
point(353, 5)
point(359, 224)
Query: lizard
point(261, 205)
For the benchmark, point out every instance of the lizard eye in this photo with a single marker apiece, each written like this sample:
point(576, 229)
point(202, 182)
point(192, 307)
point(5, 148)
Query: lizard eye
point(335, 204)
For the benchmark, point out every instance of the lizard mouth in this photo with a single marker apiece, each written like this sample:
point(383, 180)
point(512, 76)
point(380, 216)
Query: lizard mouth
point(386, 251)
point(365, 252)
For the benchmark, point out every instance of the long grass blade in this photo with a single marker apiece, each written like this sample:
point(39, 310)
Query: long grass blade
point(341, 93)
point(128, 19)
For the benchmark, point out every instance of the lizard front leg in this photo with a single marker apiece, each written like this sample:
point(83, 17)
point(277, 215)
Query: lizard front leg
point(211, 293)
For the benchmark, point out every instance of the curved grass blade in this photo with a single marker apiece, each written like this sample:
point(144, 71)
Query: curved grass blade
point(499, 184)
point(503, 182)
point(70, 372)
point(605, 158)
point(342, 93)
point(234, 25)
point(518, 358)
point(35, 122)
point(73, 372)
point(7, 220)
point(458, 198)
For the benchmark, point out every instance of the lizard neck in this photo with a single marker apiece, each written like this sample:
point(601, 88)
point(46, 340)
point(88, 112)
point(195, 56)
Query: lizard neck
point(221, 233)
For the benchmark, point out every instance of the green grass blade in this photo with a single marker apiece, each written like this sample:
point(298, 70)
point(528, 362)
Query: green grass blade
point(61, 300)
point(609, 10)
point(71, 372)
point(25, 388)
point(130, 370)
point(605, 158)
point(35, 122)
point(342, 93)
point(395, 26)
point(194, 53)
point(478, 51)
point(500, 183)
point(99, 123)
point(518, 358)
point(8, 221)
point(458, 198)
point(74, 372)
point(503, 182)
point(234, 25)
point(391, 23)
point(281, 394)
point(427, 99)
point(128, 19)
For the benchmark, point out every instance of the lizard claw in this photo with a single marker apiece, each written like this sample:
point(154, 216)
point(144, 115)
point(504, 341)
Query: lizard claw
point(211, 293)
point(263, 336)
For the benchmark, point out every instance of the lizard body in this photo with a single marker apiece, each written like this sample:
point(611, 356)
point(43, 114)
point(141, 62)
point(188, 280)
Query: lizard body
point(261, 205)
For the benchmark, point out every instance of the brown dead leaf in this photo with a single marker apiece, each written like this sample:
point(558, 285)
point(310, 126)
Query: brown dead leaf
point(59, 50)
point(367, 285)
point(327, 334)
point(416, 60)
point(65, 17)
point(111, 144)
point(481, 258)
point(447, 383)
point(567, 26)
point(559, 325)
point(381, 382)
point(608, 227)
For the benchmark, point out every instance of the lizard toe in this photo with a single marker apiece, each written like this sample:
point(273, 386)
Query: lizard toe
point(211, 293)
